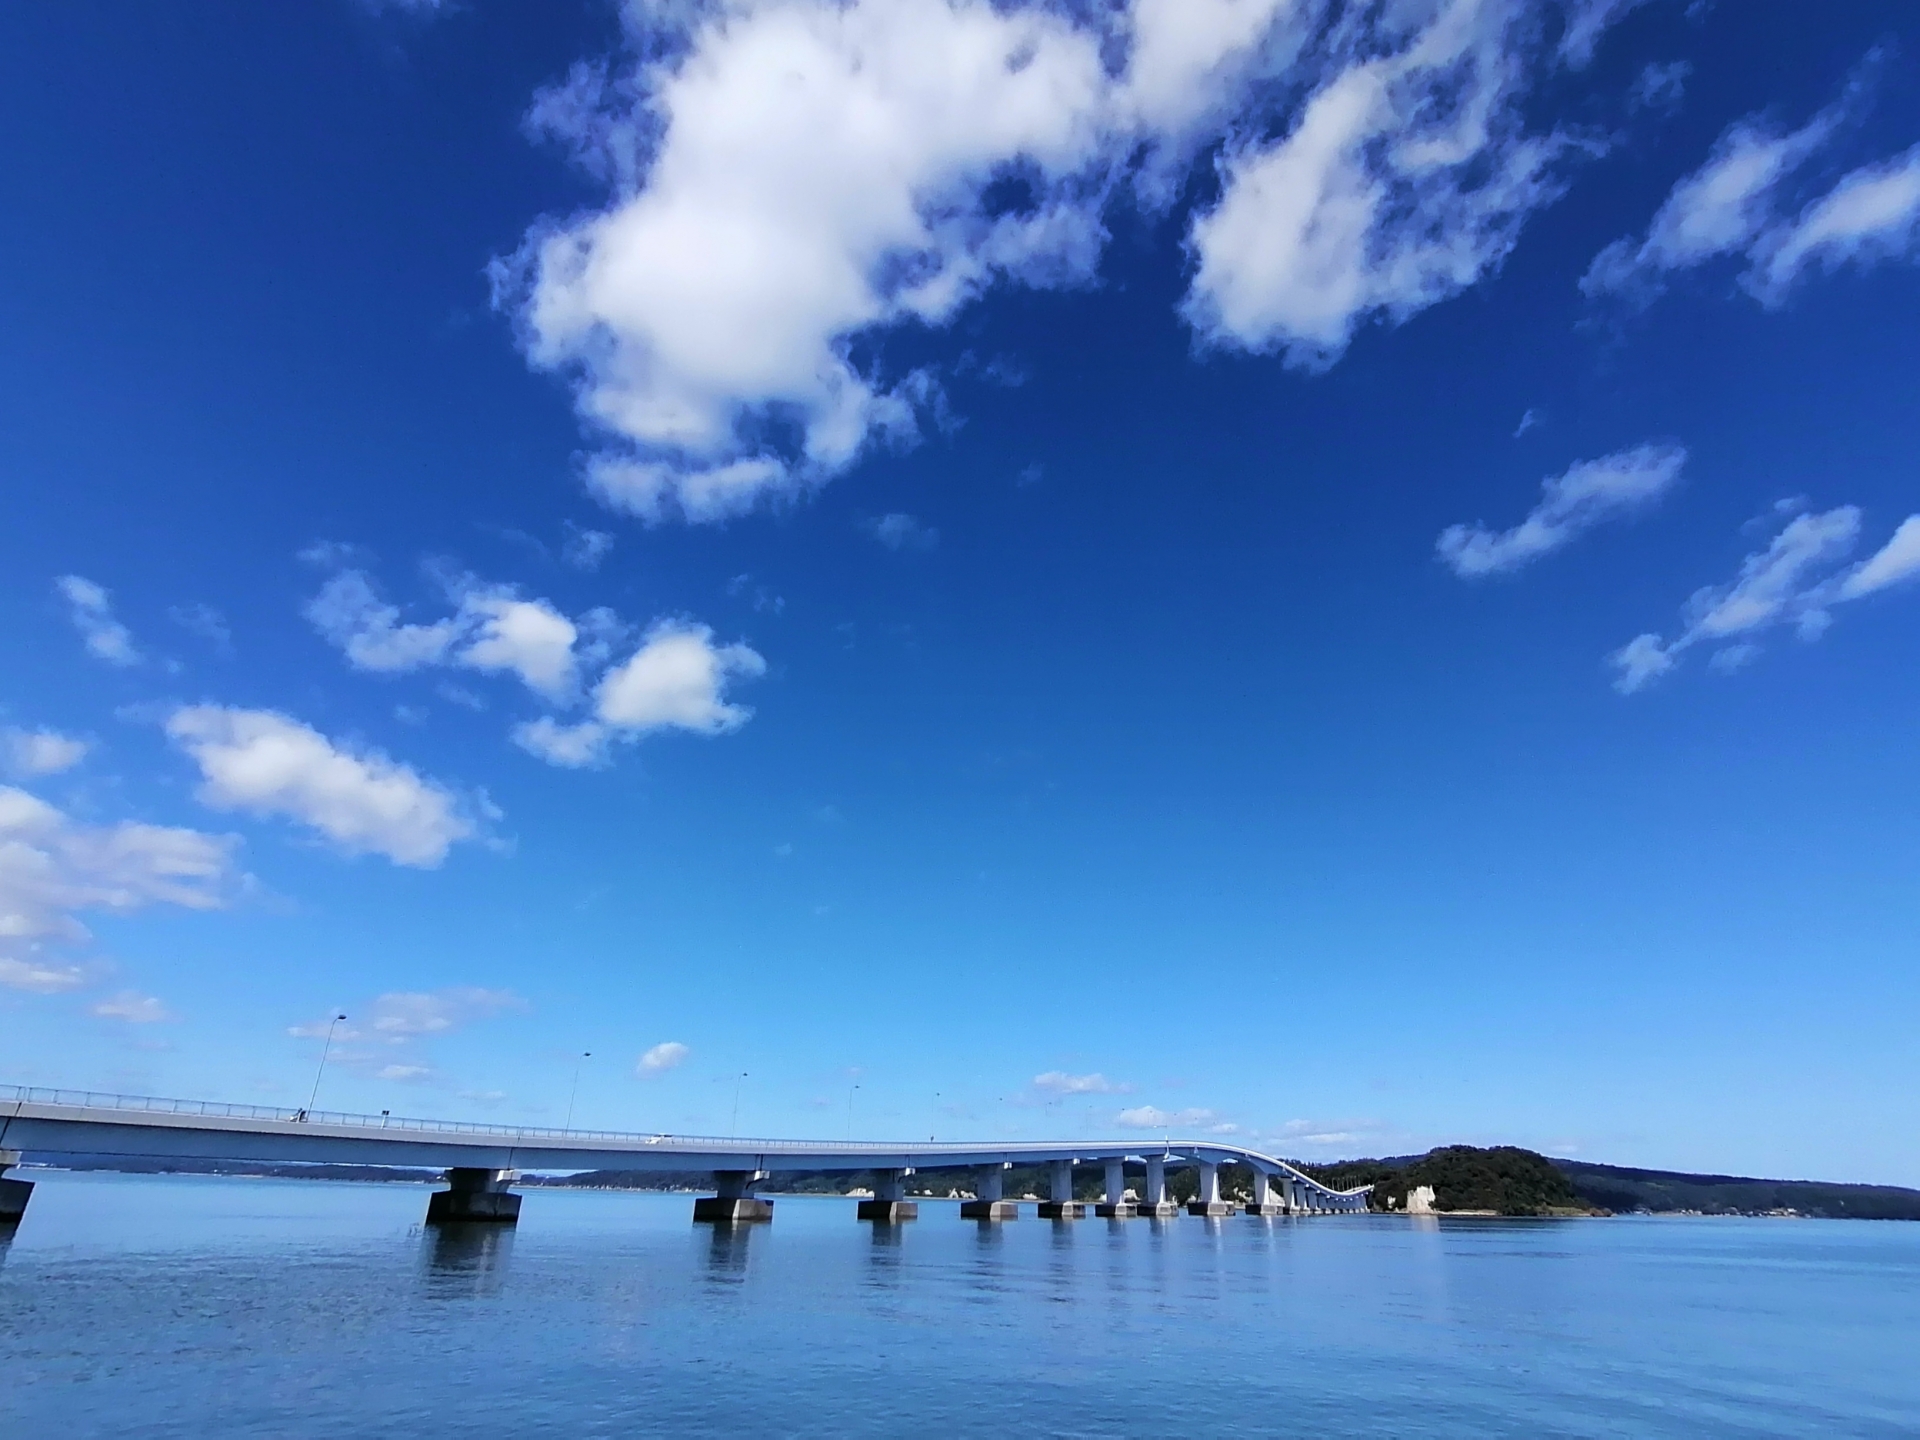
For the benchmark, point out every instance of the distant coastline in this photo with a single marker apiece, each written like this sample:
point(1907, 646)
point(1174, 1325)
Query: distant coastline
point(1466, 1182)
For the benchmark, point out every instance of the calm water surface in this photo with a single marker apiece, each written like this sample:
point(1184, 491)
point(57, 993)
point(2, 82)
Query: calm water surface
point(188, 1307)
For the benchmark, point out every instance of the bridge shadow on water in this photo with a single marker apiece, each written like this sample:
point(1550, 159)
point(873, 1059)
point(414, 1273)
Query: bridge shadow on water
point(464, 1260)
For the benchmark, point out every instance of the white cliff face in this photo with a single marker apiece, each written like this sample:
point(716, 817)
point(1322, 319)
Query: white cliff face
point(1420, 1200)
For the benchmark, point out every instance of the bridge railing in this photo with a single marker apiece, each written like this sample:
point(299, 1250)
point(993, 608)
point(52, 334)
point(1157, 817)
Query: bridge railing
point(288, 1115)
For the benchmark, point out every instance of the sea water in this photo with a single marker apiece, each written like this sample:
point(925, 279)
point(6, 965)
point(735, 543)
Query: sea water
point(174, 1306)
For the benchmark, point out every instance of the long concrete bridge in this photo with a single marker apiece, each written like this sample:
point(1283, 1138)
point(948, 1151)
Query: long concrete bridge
point(480, 1161)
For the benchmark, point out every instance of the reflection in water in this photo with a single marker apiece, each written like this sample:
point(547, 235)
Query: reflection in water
point(884, 1256)
point(8, 1229)
point(727, 1252)
point(467, 1258)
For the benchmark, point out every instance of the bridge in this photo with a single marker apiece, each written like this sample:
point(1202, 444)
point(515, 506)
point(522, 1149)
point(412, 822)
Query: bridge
point(480, 1161)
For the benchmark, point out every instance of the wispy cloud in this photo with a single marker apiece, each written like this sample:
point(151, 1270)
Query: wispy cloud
point(1152, 1117)
point(900, 531)
point(90, 607)
point(133, 1008)
point(54, 868)
point(1792, 582)
point(1059, 1082)
point(1587, 494)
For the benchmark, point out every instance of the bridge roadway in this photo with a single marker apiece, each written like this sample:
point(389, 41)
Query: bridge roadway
point(480, 1160)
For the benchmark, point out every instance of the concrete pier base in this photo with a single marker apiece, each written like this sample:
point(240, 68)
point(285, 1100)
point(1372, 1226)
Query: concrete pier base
point(731, 1210)
point(1116, 1209)
point(1063, 1209)
point(1212, 1209)
point(889, 1212)
point(989, 1210)
point(1156, 1209)
point(480, 1195)
point(14, 1195)
point(1268, 1207)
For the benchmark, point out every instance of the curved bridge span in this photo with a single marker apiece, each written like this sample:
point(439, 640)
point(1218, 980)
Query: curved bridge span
point(480, 1160)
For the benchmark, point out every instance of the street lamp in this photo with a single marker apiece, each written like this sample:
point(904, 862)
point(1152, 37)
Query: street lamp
point(325, 1050)
point(850, 1089)
point(585, 1056)
point(733, 1129)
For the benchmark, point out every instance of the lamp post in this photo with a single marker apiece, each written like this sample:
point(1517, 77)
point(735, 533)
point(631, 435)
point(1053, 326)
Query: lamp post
point(325, 1050)
point(733, 1129)
point(585, 1055)
point(850, 1089)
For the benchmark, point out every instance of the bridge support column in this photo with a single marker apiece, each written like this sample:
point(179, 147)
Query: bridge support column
point(474, 1195)
point(1155, 1204)
point(14, 1194)
point(889, 1204)
point(1265, 1200)
point(736, 1204)
point(987, 1204)
point(1207, 1201)
point(1116, 1206)
point(1060, 1204)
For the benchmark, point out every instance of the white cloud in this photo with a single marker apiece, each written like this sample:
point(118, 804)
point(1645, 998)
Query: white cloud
point(404, 1074)
point(1404, 180)
point(585, 549)
point(816, 170)
point(903, 532)
point(661, 1058)
point(1894, 562)
point(205, 621)
point(41, 752)
point(1732, 205)
point(266, 763)
point(1058, 1082)
point(676, 680)
point(1588, 493)
point(349, 612)
point(494, 630)
point(790, 179)
point(1872, 214)
point(1151, 1117)
point(91, 609)
point(1792, 581)
point(52, 868)
point(1720, 209)
point(132, 1007)
point(403, 1015)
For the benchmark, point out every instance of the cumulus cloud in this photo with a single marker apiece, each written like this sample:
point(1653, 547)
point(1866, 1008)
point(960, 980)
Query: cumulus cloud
point(266, 763)
point(91, 609)
point(661, 1058)
point(401, 1015)
point(1734, 205)
point(1058, 1082)
point(792, 179)
point(1152, 1117)
point(585, 549)
point(132, 1007)
point(903, 532)
point(495, 630)
point(52, 868)
point(1792, 582)
point(40, 752)
point(676, 680)
point(1587, 494)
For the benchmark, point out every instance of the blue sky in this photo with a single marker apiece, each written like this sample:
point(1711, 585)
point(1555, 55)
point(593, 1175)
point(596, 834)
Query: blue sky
point(1332, 576)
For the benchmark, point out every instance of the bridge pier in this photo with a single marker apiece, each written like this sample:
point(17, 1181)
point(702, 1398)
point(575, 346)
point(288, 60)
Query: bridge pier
point(1207, 1201)
point(988, 1188)
point(1264, 1200)
point(14, 1194)
point(474, 1195)
point(736, 1204)
point(889, 1204)
point(1060, 1204)
point(1116, 1206)
point(1155, 1204)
